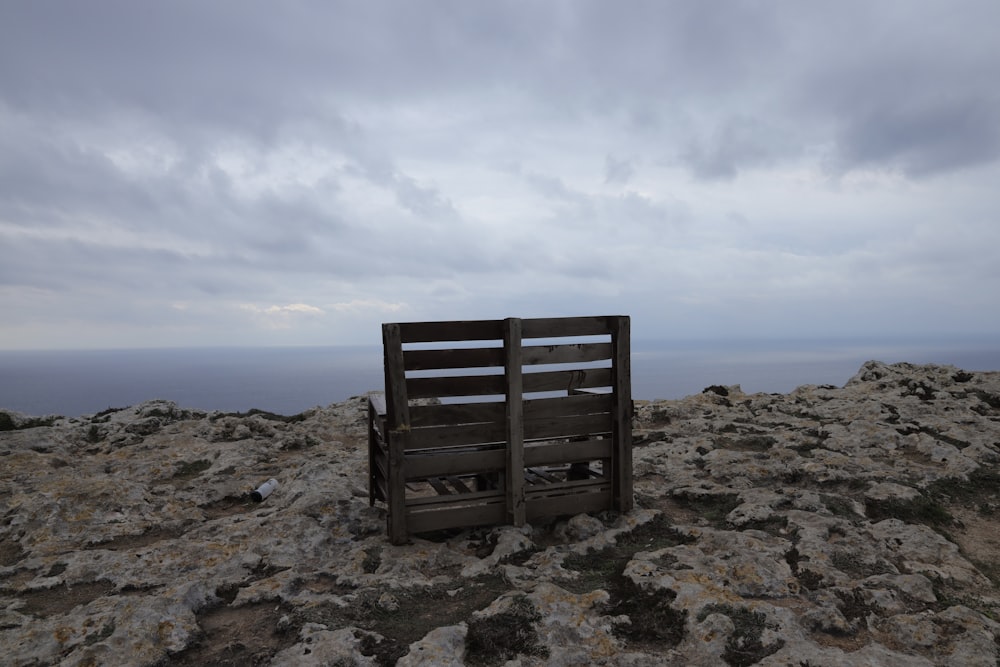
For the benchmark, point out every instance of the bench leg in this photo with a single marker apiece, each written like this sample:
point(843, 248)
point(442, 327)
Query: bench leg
point(397, 489)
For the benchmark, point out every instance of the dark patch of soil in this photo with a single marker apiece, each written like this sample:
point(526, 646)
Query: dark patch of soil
point(128, 542)
point(243, 636)
point(61, 599)
point(228, 506)
point(493, 640)
point(601, 569)
point(744, 646)
point(652, 619)
point(10, 553)
point(410, 615)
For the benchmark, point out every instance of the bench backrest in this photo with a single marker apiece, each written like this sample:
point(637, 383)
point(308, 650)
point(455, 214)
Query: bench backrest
point(533, 379)
point(494, 400)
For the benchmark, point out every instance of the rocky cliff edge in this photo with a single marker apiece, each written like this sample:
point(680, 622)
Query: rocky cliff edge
point(828, 526)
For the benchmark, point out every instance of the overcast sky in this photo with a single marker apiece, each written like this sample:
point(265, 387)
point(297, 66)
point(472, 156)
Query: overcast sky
point(288, 173)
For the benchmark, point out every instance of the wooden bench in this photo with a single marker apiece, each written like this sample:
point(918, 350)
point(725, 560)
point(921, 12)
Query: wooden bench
point(478, 427)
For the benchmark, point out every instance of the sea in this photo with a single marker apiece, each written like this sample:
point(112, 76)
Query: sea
point(288, 380)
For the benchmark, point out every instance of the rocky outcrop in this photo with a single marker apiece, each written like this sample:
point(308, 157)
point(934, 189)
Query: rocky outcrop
point(828, 526)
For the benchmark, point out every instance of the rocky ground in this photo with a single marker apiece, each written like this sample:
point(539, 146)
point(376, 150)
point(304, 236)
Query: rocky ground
point(828, 526)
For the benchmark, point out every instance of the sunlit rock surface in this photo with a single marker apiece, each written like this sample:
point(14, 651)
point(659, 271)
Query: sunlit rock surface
point(828, 526)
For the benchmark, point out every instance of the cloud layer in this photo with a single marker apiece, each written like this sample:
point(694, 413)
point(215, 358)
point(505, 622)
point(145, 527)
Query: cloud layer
point(195, 173)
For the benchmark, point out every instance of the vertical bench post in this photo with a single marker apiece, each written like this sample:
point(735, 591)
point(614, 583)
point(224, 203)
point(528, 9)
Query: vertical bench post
point(515, 421)
point(622, 417)
point(398, 414)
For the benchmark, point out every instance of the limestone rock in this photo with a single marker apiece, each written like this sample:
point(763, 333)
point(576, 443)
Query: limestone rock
point(828, 526)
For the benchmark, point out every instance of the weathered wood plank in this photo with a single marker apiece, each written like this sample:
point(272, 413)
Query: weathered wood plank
point(515, 421)
point(455, 499)
point(569, 504)
point(462, 385)
point(568, 406)
point(450, 436)
point(376, 403)
point(373, 451)
point(432, 332)
point(439, 486)
point(559, 327)
point(398, 530)
point(566, 452)
point(544, 474)
point(459, 413)
point(477, 357)
point(458, 484)
point(570, 487)
point(533, 478)
point(539, 408)
point(567, 380)
point(380, 491)
point(456, 461)
point(566, 354)
point(397, 405)
point(446, 463)
point(457, 517)
point(559, 427)
point(431, 437)
point(622, 421)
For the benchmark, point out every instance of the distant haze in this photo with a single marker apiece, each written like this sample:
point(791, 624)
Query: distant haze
point(190, 173)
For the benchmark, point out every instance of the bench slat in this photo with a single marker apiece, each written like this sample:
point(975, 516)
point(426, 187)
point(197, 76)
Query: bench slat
point(461, 435)
point(566, 380)
point(456, 413)
point(454, 499)
point(458, 484)
point(568, 504)
point(493, 411)
point(567, 406)
point(563, 427)
point(486, 357)
point(560, 327)
point(430, 437)
point(433, 332)
point(424, 520)
point(419, 466)
point(441, 463)
point(566, 452)
point(463, 385)
point(566, 354)
point(439, 486)
point(473, 357)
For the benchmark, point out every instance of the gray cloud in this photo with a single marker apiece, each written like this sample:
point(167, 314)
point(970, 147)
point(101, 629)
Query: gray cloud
point(923, 140)
point(241, 164)
point(617, 170)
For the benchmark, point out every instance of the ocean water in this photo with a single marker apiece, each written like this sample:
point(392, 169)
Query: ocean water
point(291, 379)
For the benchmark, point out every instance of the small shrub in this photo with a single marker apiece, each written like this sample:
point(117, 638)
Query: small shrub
point(854, 607)
point(187, 470)
point(651, 618)
point(714, 508)
point(756, 443)
point(744, 646)
point(7, 422)
point(372, 561)
point(839, 506)
point(922, 509)
point(493, 640)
